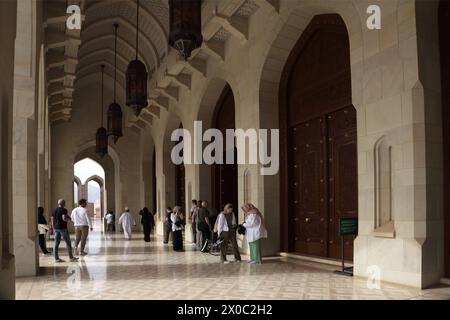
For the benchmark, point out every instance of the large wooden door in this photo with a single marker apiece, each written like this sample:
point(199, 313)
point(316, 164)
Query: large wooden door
point(225, 175)
point(321, 165)
point(323, 182)
point(444, 35)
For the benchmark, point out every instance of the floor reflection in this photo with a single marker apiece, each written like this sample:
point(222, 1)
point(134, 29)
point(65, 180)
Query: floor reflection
point(118, 269)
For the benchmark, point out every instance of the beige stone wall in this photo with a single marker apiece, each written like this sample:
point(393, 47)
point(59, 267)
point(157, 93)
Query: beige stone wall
point(8, 10)
point(388, 96)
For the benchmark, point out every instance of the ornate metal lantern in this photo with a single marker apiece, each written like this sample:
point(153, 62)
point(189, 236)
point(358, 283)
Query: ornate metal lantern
point(185, 26)
point(101, 138)
point(137, 79)
point(115, 110)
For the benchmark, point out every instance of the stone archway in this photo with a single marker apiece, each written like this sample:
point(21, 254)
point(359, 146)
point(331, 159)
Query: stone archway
point(318, 125)
point(280, 48)
point(169, 181)
point(206, 115)
point(111, 184)
point(218, 183)
point(103, 194)
point(225, 176)
point(79, 184)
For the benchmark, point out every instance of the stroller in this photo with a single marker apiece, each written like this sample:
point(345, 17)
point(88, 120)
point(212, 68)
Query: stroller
point(214, 247)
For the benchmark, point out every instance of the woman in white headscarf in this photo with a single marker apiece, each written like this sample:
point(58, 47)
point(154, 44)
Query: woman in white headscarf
point(177, 219)
point(255, 231)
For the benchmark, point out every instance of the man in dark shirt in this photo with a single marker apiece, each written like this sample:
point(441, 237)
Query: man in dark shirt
point(168, 224)
point(59, 223)
point(204, 225)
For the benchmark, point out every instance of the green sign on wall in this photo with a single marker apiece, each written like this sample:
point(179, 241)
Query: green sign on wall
point(348, 226)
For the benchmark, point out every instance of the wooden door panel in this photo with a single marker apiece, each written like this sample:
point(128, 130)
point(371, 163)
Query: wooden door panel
point(308, 189)
point(343, 177)
point(228, 183)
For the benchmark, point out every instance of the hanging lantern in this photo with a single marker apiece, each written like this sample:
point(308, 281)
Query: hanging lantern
point(185, 26)
point(137, 79)
point(115, 110)
point(115, 121)
point(101, 138)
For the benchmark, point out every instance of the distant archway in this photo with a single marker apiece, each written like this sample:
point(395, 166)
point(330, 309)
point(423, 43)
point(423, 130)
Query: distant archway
point(90, 176)
point(77, 184)
point(98, 200)
point(111, 164)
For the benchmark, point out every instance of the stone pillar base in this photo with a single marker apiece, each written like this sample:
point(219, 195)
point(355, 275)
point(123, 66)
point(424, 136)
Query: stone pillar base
point(7, 280)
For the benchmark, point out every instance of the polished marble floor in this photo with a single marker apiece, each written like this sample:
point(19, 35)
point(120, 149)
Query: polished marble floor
point(119, 269)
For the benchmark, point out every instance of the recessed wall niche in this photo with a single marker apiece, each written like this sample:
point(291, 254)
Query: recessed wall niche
point(383, 216)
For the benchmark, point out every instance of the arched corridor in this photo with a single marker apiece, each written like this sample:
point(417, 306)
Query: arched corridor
point(327, 135)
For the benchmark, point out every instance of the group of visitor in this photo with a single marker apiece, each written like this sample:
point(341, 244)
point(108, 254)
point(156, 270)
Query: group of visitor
point(58, 226)
point(207, 228)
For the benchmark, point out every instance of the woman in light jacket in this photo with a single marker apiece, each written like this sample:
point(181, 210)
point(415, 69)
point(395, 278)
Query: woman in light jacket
point(255, 231)
point(177, 219)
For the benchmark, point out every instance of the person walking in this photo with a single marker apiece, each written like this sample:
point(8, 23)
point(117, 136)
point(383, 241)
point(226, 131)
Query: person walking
point(177, 219)
point(255, 231)
point(148, 222)
point(168, 224)
point(82, 223)
point(109, 217)
point(193, 222)
point(127, 220)
point(199, 240)
point(226, 230)
point(43, 229)
point(59, 221)
point(204, 226)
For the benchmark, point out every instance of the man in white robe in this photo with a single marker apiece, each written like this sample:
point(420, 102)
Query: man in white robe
point(127, 220)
